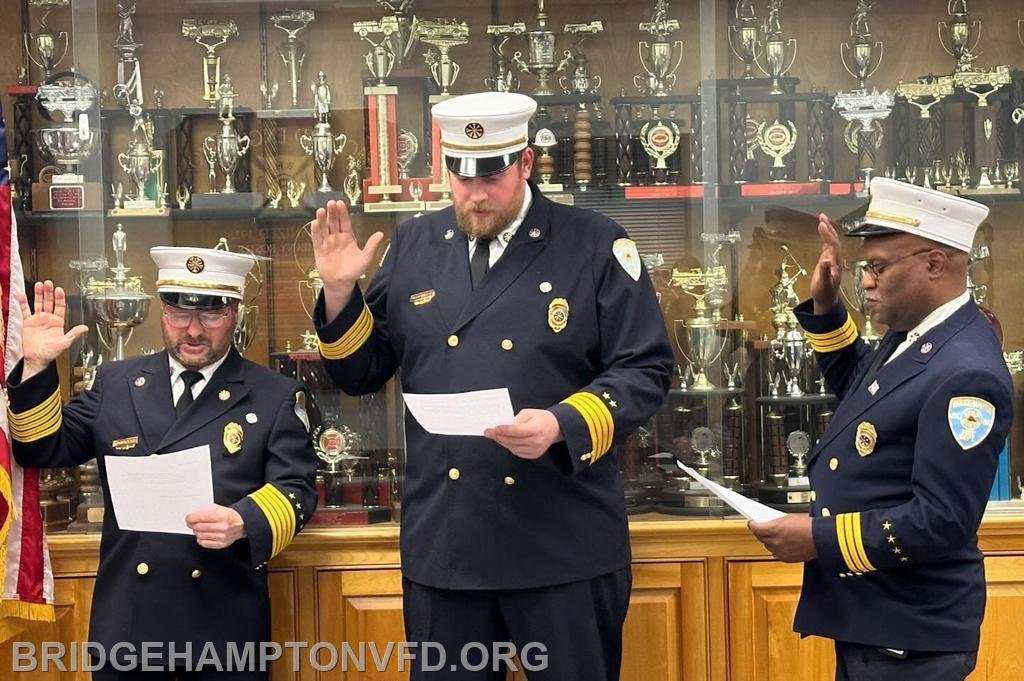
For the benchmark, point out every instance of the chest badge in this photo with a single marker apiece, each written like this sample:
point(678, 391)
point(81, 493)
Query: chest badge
point(558, 314)
point(866, 438)
point(422, 298)
point(233, 438)
point(125, 443)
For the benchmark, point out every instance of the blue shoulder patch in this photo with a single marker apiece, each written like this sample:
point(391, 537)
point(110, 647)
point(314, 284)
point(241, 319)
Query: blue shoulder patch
point(970, 420)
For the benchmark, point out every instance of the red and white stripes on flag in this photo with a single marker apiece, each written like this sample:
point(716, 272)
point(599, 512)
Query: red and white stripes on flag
point(24, 557)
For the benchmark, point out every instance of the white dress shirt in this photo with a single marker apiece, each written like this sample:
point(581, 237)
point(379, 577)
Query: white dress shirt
point(178, 385)
point(934, 318)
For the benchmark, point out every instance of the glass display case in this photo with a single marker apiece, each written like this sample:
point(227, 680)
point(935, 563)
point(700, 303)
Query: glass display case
point(714, 132)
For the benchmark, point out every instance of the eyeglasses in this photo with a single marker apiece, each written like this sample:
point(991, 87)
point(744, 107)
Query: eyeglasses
point(876, 269)
point(208, 320)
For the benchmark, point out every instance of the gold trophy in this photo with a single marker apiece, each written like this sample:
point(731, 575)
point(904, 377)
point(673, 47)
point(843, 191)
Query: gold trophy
point(214, 33)
point(46, 43)
point(777, 141)
point(743, 36)
point(503, 79)
point(353, 186)
point(775, 47)
point(139, 163)
point(443, 35)
point(956, 40)
point(540, 44)
point(660, 139)
point(292, 52)
point(926, 92)
point(228, 147)
point(789, 345)
point(67, 145)
point(658, 64)
point(323, 145)
point(119, 304)
point(544, 140)
point(704, 339)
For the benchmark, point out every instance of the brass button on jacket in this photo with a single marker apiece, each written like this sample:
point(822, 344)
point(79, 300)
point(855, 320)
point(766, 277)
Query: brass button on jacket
point(142, 568)
point(454, 473)
point(453, 340)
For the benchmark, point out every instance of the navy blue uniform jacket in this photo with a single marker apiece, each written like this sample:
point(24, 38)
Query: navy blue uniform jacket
point(561, 322)
point(162, 587)
point(901, 478)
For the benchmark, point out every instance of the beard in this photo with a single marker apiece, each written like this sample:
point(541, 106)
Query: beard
point(490, 223)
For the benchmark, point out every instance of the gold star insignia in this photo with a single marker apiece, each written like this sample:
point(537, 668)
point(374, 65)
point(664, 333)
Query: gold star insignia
point(897, 550)
point(291, 495)
point(904, 559)
point(886, 526)
point(298, 505)
point(891, 539)
point(302, 516)
point(606, 396)
point(612, 403)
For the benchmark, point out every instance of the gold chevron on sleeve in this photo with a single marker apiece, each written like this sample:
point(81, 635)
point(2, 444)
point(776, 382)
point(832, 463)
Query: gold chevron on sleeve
point(279, 514)
point(834, 340)
point(858, 543)
point(598, 419)
point(351, 340)
point(38, 422)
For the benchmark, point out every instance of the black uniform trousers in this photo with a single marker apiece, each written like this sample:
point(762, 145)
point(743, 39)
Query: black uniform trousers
point(857, 662)
point(566, 632)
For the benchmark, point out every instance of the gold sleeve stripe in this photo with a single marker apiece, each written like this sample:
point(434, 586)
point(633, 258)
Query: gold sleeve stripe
point(842, 521)
point(351, 340)
point(858, 543)
point(598, 419)
point(279, 514)
point(573, 402)
point(38, 422)
point(834, 340)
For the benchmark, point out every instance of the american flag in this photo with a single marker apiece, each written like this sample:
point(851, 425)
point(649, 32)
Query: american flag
point(27, 584)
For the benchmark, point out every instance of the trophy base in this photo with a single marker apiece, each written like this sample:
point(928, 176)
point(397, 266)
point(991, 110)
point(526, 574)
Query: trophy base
point(56, 514)
point(351, 515)
point(440, 204)
point(47, 197)
point(314, 200)
point(980, 191)
point(153, 211)
point(792, 495)
point(549, 188)
point(393, 206)
point(87, 519)
point(249, 201)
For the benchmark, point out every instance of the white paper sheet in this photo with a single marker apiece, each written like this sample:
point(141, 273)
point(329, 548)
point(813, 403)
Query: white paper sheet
point(461, 413)
point(154, 493)
point(748, 508)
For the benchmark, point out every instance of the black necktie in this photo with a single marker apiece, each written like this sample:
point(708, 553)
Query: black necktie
point(885, 349)
point(480, 262)
point(189, 378)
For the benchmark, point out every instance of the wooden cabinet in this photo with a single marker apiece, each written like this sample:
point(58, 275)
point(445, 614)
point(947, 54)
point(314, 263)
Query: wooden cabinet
point(707, 604)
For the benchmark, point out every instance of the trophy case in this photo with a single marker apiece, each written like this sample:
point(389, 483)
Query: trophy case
point(714, 132)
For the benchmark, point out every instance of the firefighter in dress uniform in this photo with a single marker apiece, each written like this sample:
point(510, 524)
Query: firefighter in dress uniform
point(195, 591)
point(892, 570)
point(519, 535)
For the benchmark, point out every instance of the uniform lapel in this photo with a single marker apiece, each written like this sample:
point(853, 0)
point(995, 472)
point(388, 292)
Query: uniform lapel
point(450, 279)
point(150, 391)
point(225, 389)
point(906, 366)
point(525, 246)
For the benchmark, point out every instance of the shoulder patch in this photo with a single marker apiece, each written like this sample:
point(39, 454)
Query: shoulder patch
point(970, 420)
point(625, 252)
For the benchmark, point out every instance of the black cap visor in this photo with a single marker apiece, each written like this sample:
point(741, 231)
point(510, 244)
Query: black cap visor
point(480, 167)
point(195, 301)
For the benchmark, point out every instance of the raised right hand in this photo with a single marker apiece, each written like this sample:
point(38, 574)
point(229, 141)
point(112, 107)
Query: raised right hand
point(828, 273)
point(42, 332)
point(339, 258)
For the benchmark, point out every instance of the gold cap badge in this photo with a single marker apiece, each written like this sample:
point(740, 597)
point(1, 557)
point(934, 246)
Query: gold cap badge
point(195, 264)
